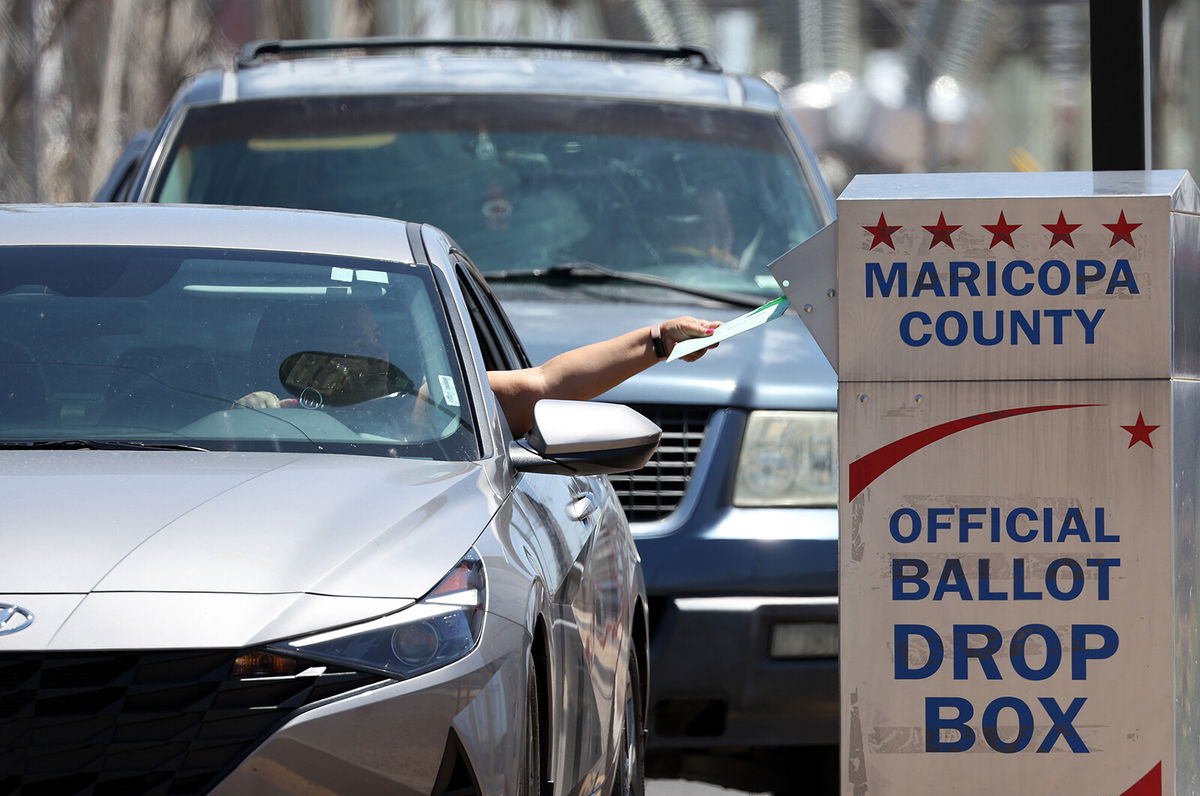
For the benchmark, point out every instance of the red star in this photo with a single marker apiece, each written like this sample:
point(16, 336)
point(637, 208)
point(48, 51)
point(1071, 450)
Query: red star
point(882, 233)
point(1140, 432)
point(1122, 230)
point(1001, 232)
point(1061, 231)
point(940, 232)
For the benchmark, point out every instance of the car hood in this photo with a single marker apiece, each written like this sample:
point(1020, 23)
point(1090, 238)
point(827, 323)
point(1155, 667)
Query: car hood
point(234, 523)
point(776, 366)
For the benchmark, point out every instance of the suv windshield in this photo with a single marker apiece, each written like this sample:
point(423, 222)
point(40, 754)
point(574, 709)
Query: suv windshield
point(702, 195)
point(154, 346)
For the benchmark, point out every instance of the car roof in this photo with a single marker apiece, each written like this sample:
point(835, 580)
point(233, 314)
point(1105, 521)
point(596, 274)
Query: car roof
point(202, 226)
point(444, 68)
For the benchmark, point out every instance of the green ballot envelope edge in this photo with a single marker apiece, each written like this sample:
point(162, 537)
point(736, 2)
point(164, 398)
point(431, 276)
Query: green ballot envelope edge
point(743, 323)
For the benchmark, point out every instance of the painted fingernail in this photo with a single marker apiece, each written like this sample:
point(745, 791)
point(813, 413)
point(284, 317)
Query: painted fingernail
point(709, 331)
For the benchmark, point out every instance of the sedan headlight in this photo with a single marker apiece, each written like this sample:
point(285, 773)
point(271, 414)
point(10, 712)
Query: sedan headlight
point(437, 630)
point(788, 459)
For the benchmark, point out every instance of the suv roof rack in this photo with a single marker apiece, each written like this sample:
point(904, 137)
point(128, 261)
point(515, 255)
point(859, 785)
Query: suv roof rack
point(700, 57)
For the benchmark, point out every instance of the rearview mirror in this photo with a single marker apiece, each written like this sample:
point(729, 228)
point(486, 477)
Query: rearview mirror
point(318, 378)
point(585, 438)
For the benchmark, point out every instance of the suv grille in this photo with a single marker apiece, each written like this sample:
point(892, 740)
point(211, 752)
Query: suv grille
point(655, 491)
point(144, 723)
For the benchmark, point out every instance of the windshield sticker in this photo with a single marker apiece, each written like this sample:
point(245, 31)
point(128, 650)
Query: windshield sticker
point(363, 275)
point(341, 274)
point(449, 391)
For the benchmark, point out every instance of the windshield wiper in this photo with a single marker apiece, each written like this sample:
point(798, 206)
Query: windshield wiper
point(583, 271)
point(97, 445)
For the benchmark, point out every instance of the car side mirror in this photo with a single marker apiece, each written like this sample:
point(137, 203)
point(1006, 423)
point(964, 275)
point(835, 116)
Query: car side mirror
point(585, 438)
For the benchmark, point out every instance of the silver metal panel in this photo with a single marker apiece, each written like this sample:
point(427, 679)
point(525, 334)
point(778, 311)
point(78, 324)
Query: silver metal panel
point(1175, 185)
point(233, 522)
point(1185, 270)
point(1070, 456)
point(205, 227)
point(1185, 436)
point(365, 533)
point(808, 275)
point(81, 501)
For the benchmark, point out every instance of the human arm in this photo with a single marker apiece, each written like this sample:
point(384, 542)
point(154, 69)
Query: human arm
point(263, 399)
point(588, 371)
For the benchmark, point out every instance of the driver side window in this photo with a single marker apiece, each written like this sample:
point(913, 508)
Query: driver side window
point(501, 348)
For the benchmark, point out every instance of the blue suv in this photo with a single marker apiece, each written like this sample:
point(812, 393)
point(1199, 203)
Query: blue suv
point(601, 186)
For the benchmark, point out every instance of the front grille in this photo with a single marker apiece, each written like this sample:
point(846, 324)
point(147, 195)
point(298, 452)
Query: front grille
point(141, 722)
point(655, 491)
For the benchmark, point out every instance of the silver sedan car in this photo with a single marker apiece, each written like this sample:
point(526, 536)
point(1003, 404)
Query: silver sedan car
point(368, 588)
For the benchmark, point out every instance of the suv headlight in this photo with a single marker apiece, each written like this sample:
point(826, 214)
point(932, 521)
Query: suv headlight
point(440, 628)
point(788, 459)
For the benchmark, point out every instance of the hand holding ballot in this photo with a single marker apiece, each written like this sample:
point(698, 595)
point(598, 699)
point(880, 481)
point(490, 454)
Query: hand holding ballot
point(687, 349)
point(588, 371)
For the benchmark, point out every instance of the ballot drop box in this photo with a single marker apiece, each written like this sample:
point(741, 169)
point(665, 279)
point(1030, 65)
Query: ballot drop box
point(1019, 445)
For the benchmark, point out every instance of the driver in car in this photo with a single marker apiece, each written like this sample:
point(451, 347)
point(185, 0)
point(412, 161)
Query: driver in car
point(579, 374)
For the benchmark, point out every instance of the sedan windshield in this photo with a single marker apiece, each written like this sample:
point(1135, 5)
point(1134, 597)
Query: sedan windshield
point(107, 347)
point(703, 196)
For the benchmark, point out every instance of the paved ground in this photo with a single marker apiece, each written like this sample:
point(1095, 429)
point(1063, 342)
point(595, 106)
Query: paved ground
point(681, 787)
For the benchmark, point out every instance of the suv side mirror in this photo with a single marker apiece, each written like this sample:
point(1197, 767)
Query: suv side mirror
point(585, 438)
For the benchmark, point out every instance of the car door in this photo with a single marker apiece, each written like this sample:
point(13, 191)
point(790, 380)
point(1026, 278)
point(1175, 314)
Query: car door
point(561, 515)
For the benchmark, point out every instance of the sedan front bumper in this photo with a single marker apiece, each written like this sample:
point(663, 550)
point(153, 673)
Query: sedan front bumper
point(398, 738)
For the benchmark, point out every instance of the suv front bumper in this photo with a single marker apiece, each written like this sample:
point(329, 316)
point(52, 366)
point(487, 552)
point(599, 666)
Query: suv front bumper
point(719, 680)
point(727, 585)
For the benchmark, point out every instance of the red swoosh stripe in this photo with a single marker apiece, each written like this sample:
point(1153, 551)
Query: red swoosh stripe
point(1149, 785)
point(874, 464)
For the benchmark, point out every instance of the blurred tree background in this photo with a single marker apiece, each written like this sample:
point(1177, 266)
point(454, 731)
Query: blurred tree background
point(878, 85)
